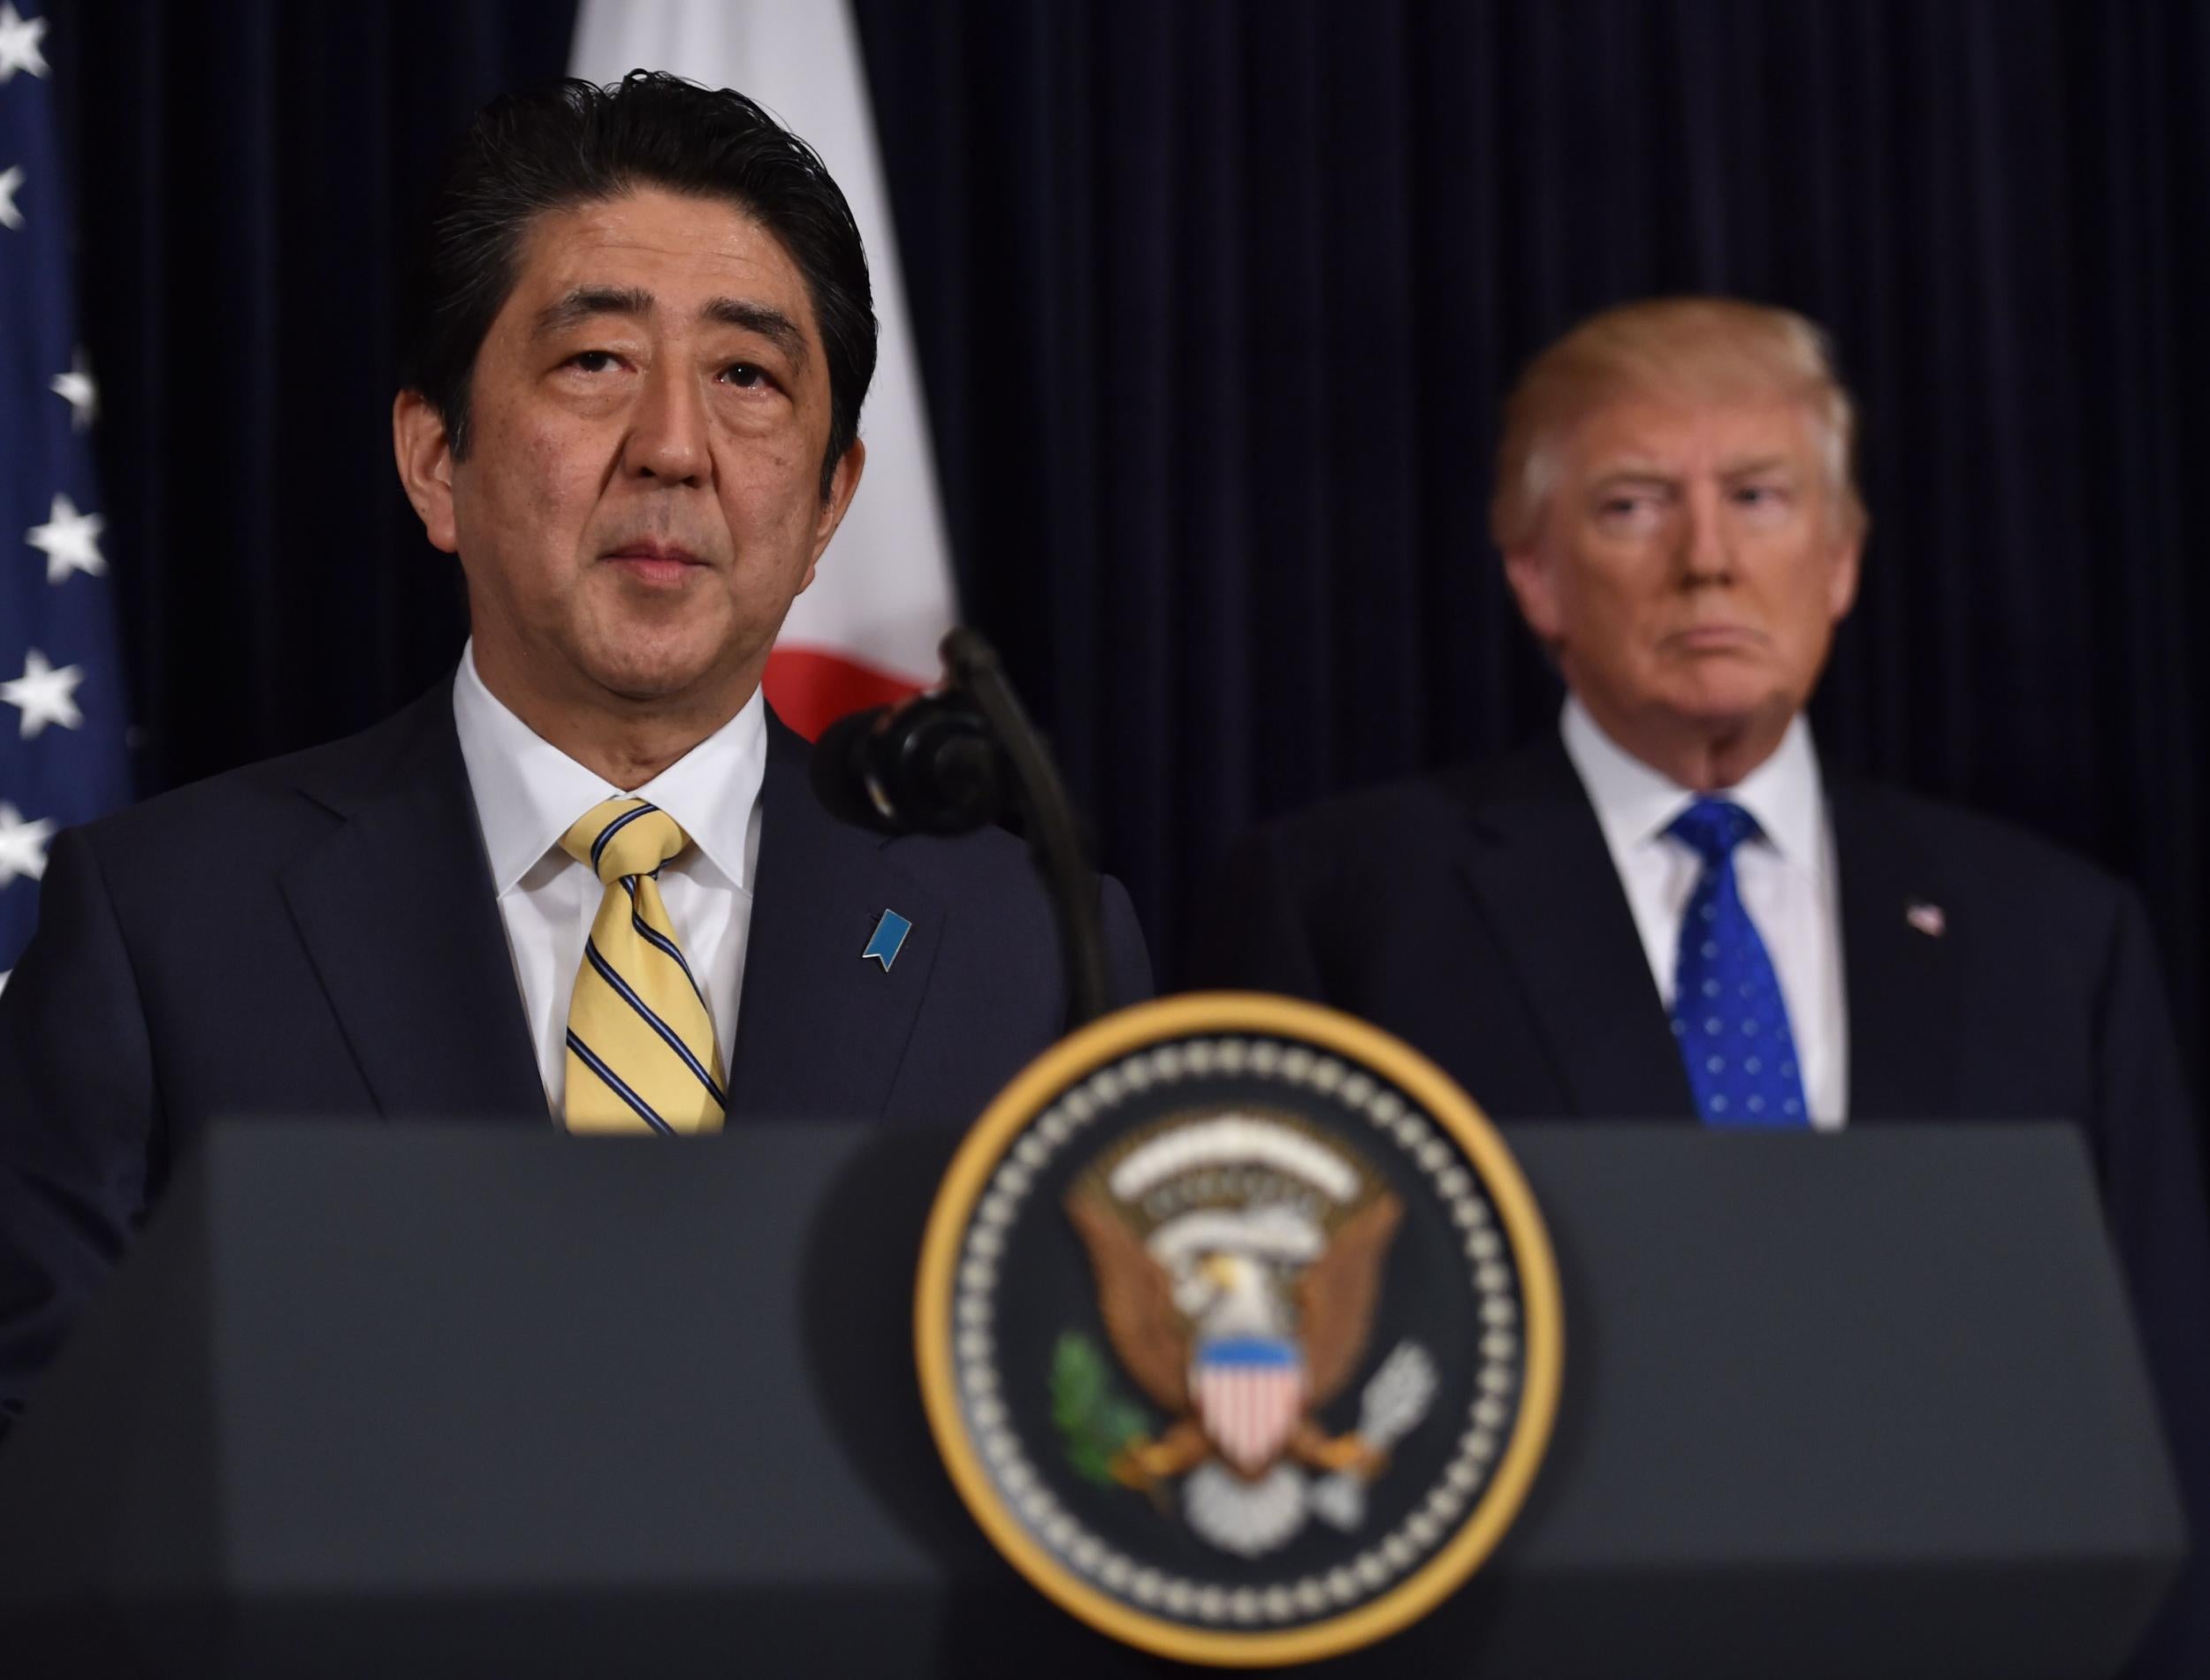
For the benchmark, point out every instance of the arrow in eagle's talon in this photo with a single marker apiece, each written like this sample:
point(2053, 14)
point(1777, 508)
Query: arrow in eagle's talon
point(1352, 1454)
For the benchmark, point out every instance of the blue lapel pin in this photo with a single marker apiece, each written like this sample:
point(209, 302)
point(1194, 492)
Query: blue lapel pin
point(888, 940)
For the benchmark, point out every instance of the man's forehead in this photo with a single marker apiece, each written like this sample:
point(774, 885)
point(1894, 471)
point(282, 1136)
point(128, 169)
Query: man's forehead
point(1673, 431)
point(676, 251)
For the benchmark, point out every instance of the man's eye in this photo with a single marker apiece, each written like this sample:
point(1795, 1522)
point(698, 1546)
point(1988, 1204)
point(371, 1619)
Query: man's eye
point(592, 360)
point(743, 376)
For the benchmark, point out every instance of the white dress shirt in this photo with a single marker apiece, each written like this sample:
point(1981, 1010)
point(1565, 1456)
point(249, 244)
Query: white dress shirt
point(1787, 880)
point(528, 793)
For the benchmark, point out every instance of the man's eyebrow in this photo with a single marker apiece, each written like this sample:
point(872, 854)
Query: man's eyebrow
point(585, 301)
point(1758, 464)
point(768, 322)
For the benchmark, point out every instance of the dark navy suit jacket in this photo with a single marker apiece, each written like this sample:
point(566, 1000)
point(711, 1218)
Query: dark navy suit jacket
point(1477, 914)
point(317, 935)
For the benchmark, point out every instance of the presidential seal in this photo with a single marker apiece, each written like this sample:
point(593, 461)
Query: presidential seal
point(1238, 1329)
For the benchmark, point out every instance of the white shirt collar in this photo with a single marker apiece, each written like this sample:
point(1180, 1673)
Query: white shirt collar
point(1636, 803)
point(528, 793)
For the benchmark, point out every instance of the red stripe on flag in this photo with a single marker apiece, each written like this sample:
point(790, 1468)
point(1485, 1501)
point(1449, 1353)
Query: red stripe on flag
point(811, 687)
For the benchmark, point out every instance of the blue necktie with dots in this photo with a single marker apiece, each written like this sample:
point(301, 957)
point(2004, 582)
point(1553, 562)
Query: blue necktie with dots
point(1727, 1011)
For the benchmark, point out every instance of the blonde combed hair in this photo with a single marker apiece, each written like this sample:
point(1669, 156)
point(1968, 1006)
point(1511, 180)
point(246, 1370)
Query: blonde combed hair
point(1685, 348)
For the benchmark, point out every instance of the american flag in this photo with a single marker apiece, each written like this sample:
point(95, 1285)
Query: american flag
point(62, 703)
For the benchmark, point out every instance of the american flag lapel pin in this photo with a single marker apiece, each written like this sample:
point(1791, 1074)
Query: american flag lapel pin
point(1927, 918)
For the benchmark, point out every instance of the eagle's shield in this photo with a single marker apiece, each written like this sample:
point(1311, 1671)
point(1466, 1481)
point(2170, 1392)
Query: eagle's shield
point(1249, 1392)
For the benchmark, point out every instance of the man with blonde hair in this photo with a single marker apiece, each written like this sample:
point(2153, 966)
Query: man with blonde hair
point(1667, 907)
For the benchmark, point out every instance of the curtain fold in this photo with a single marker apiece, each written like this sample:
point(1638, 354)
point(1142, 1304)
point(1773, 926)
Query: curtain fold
point(247, 171)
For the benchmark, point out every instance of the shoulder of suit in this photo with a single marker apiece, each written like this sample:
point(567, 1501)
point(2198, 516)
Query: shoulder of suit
point(1981, 853)
point(988, 856)
point(285, 792)
point(1391, 810)
point(1435, 809)
point(989, 864)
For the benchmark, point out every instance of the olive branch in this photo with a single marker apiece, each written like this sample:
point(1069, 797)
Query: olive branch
point(1095, 1419)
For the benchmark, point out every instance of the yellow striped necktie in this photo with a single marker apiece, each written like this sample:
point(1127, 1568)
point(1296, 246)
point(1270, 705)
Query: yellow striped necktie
point(641, 1051)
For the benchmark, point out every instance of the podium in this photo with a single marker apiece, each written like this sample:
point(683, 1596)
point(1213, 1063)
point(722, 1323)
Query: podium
point(380, 1400)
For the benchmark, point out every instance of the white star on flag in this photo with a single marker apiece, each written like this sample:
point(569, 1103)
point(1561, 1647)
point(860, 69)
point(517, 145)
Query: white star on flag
point(10, 180)
point(70, 540)
point(44, 694)
point(76, 388)
point(19, 45)
point(22, 845)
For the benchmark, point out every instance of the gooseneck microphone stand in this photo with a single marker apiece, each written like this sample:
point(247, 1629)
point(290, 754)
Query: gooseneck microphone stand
point(1054, 836)
point(941, 762)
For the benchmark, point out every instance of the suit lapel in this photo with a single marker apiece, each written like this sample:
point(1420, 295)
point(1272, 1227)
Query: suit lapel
point(821, 1029)
point(1543, 879)
point(1899, 957)
point(397, 913)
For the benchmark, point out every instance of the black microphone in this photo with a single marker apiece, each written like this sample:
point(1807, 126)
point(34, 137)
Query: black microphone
point(927, 765)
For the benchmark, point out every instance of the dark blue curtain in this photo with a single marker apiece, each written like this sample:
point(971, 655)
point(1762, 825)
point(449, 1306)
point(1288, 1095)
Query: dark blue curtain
point(247, 171)
point(1216, 303)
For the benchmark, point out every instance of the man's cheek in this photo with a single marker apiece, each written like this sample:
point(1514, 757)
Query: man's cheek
point(546, 456)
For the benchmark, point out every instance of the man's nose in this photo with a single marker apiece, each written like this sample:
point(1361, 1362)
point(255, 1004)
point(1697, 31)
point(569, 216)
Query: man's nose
point(1707, 551)
point(668, 434)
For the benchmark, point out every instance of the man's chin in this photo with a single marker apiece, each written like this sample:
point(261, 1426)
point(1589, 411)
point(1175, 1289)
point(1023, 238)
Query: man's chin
point(649, 677)
point(1722, 712)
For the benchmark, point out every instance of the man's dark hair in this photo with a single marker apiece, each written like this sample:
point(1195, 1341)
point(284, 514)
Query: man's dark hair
point(568, 143)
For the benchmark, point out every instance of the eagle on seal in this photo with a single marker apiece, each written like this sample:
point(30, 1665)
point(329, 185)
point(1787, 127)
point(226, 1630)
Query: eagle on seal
point(1239, 1322)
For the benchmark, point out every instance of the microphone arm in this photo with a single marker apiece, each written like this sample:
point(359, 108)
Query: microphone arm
point(945, 762)
point(1054, 837)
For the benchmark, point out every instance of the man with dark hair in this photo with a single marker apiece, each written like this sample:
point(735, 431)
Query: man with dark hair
point(1666, 909)
point(535, 152)
point(585, 883)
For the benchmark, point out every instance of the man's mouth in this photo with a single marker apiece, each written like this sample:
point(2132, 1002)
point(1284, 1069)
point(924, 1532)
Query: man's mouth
point(1714, 638)
point(654, 563)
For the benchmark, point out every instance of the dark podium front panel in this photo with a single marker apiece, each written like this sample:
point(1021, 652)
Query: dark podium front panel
point(372, 1400)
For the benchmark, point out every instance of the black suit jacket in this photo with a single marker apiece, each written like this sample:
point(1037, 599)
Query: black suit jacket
point(1476, 913)
point(317, 935)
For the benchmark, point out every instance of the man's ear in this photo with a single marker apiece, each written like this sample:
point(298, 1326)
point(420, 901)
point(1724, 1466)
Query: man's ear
point(1845, 568)
point(842, 482)
point(1535, 586)
point(425, 452)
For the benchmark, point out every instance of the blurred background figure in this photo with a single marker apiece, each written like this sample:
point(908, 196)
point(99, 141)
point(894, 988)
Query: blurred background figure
point(1665, 907)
